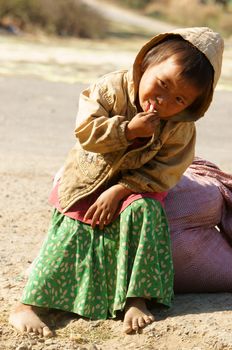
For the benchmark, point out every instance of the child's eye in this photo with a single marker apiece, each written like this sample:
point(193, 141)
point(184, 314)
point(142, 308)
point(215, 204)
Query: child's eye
point(163, 84)
point(179, 100)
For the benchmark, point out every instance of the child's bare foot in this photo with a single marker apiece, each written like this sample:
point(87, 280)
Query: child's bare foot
point(136, 315)
point(25, 319)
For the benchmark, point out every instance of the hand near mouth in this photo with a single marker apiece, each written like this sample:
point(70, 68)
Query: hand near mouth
point(152, 109)
point(142, 125)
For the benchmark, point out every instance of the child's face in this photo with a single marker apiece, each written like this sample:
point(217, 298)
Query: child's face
point(162, 89)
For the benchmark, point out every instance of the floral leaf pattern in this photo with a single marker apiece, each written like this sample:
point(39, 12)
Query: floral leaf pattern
point(91, 272)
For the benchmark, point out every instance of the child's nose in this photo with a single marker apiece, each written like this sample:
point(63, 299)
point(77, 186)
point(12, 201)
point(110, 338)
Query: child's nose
point(160, 100)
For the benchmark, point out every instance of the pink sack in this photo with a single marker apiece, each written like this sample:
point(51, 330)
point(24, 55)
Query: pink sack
point(197, 208)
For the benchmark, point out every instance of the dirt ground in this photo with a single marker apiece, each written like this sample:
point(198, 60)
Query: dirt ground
point(36, 127)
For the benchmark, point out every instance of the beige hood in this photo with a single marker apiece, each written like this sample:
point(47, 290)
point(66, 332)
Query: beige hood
point(206, 40)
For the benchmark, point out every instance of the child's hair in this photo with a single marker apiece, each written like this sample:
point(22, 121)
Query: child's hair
point(196, 68)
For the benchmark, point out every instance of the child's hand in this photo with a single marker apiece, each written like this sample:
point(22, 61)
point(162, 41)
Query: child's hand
point(142, 125)
point(103, 210)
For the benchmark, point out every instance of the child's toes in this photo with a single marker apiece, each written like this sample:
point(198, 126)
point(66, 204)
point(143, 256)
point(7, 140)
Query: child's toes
point(141, 322)
point(127, 327)
point(149, 319)
point(135, 324)
point(47, 333)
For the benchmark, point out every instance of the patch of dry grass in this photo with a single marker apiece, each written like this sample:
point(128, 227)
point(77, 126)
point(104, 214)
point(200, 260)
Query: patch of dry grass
point(193, 13)
point(58, 17)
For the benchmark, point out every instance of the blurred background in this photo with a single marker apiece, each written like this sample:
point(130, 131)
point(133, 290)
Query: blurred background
point(79, 19)
point(78, 40)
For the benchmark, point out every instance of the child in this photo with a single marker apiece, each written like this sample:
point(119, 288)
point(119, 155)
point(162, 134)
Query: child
point(108, 247)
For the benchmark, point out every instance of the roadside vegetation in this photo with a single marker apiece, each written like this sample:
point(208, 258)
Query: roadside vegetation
point(54, 17)
point(73, 18)
point(216, 14)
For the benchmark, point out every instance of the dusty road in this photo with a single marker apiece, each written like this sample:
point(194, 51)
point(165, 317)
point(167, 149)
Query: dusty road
point(37, 120)
point(123, 15)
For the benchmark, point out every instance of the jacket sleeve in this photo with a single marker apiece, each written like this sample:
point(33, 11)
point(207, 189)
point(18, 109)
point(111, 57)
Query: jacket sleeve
point(98, 129)
point(165, 169)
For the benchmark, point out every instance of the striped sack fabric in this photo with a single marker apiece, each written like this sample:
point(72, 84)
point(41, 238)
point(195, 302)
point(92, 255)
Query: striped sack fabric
point(199, 209)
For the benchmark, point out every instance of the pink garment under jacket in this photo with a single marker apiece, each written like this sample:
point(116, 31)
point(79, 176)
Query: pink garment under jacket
point(78, 210)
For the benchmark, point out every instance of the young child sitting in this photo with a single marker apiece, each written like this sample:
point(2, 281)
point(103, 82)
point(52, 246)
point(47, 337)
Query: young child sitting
point(108, 246)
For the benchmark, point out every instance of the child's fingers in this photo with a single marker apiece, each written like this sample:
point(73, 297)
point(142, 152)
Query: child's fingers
point(96, 217)
point(99, 215)
point(90, 212)
point(109, 218)
point(93, 214)
point(103, 219)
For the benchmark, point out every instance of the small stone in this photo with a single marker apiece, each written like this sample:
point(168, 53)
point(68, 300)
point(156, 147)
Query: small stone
point(93, 347)
point(33, 342)
point(23, 347)
point(41, 340)
point(96, 323)
point(76, 337)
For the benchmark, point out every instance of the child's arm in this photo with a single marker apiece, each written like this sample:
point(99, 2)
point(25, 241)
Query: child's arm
point(105, 207)
point(165, 169)
point(98, 128)
point(104, 114)
point(106, 122)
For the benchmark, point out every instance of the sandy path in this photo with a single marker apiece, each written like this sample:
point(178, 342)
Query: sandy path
point(126, 16)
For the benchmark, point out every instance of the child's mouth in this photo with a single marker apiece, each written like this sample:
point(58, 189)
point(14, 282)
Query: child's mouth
point(151, 107)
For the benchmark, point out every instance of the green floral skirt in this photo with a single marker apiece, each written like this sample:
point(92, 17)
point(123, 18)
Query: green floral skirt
point(91, 272)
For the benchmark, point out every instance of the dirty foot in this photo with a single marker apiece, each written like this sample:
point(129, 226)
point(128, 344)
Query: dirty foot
point(25, 319)
point(136, 315)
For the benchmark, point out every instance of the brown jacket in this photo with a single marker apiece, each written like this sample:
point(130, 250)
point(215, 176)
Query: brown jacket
point(101, 157)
